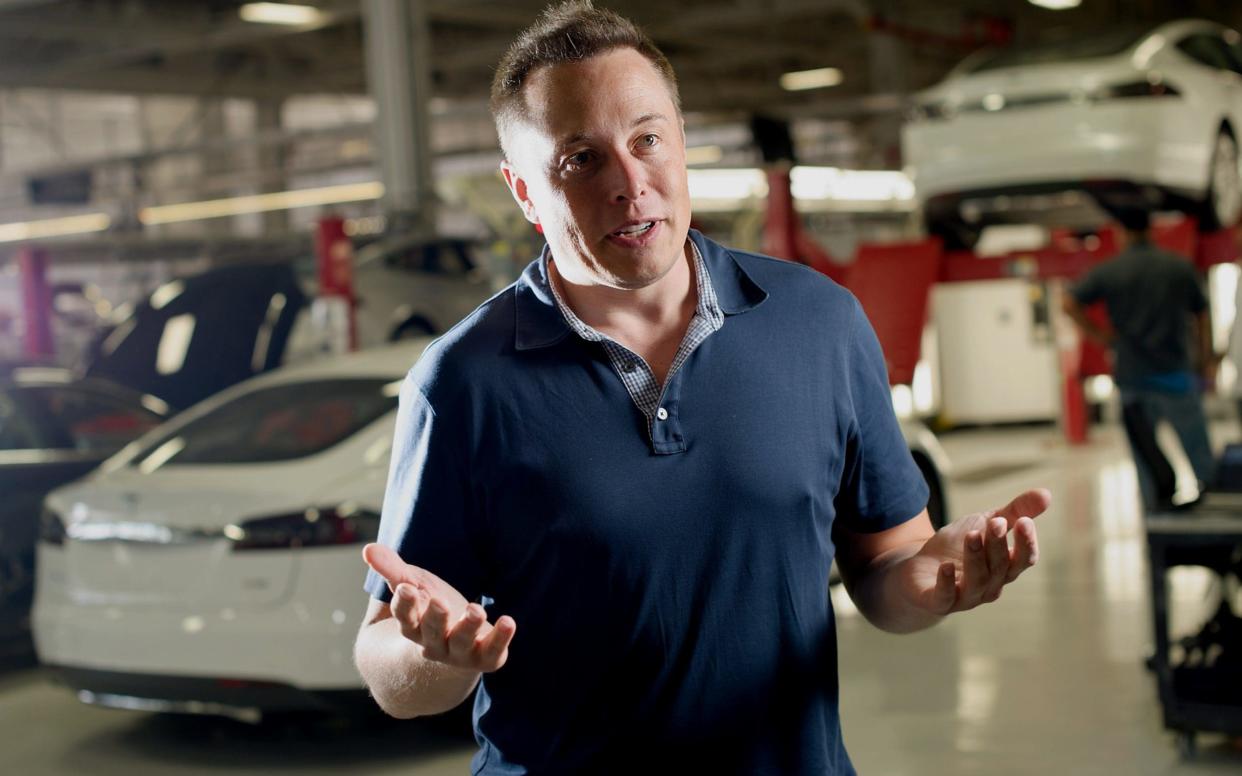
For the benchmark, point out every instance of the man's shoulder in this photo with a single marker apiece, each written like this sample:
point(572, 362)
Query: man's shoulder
point(471, 349)
point(789, 279)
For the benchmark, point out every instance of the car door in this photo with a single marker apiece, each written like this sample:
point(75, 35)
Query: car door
point(1231, 41)
point(29, 467)
point(1216, 74)
point(50, 435)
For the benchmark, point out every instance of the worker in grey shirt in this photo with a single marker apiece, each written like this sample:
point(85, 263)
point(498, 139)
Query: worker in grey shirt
point(1160, 339)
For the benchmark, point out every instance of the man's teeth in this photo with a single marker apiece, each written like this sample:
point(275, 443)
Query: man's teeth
point(636, 229)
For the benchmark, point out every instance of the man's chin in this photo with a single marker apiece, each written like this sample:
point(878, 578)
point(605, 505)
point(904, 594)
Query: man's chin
point(634, 277)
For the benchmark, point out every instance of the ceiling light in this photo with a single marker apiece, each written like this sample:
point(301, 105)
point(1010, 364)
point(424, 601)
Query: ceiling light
point(708, 154)
point(831, 183)
point(1056, 5)
point(811, 79)
point(54, 227)
point(261, 203)
point(280, 13)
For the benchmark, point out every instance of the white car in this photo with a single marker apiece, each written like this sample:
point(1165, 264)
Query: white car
point(213, 566)
point(418, 288)
point(1157, 112)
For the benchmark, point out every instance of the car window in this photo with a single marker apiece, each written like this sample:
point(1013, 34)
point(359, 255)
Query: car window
point(85, 420)
point(1066, 50)
point(447, 257)
point(1207, 50)
point(15, 431)
point(1233, 47)
point(278, 423)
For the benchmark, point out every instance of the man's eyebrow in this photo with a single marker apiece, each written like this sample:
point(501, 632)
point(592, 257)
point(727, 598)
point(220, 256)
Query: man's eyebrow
point(579, 137)
point(646, 117)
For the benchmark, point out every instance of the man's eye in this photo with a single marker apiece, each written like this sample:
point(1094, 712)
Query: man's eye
point(649, 140)
point(579, 159)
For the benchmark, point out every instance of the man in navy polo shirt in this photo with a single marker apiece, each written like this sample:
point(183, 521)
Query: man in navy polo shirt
point(647, 452)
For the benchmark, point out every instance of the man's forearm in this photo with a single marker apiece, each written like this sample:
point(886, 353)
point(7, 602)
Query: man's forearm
point(1086, 325)
point(1203, 337)
point(876, 591)
point(403, 682)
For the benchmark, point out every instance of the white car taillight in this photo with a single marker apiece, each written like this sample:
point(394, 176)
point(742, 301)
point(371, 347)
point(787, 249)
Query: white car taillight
point(314, 527)
point(51, 528)
point(1148, 88)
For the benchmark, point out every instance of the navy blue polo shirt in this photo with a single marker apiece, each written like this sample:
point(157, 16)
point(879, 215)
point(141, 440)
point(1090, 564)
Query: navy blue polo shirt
point(669, 583)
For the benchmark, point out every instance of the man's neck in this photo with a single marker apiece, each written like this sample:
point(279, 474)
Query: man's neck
point(668, 303)
point(650, 321)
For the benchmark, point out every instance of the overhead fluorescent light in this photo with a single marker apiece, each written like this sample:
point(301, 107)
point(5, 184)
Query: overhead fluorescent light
point(261, 203)
point(54, 227)
point(1056, 5)
point(709, 154)
point(725, 190)
point(832, 188)
point(280, 13)
point(820, 78)
point(835, 184)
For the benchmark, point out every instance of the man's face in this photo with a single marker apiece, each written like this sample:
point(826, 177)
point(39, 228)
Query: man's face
point(599, 162)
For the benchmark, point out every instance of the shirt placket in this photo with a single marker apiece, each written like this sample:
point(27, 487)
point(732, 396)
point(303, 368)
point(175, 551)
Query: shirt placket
point(658, 404)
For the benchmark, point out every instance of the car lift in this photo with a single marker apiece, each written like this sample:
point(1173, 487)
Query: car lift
point(893, 282)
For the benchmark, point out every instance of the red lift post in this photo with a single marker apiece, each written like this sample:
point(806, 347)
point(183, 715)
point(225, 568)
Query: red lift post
point(37, 342)
point(334, 252)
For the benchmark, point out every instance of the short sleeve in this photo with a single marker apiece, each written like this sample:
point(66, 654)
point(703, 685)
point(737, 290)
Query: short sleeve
point(881, 486)
point(428, 510)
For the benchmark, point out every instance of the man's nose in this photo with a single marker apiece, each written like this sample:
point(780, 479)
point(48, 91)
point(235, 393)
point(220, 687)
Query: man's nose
point(629, 179)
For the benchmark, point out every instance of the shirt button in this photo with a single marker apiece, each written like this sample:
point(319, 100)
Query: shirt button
point(629, 366)
point(662, 414)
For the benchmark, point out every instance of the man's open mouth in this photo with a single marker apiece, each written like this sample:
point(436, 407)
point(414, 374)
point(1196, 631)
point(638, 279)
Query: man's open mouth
point(635, 229)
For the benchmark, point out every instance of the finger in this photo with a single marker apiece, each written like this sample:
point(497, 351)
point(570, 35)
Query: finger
point(1030, 504)
point(942, 597)
point(387, 564)
point(493, 649)
point(434, 626)
point(974, 572)
point(1025, 548)
point(404, 609)
point(996, 553)
point(464, 633)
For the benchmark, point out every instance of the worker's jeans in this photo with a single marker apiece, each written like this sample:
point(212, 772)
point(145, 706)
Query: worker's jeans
point(1143, 410)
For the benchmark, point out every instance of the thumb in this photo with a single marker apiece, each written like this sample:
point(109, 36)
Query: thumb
point(388, 564)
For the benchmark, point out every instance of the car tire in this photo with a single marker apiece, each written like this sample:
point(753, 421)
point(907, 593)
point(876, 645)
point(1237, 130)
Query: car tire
point(1222, 205)
point(412, 328)
point(954, 233)
point(935, 492)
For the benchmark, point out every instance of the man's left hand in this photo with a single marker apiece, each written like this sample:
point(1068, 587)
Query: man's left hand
point(969, 561)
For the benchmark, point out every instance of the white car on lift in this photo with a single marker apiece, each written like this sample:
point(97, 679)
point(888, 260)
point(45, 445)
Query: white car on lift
point(1156, 110)
point(213, 566)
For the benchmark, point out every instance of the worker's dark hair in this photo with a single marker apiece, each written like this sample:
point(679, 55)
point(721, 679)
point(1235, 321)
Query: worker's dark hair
point(1136, 220)
point(566, 32)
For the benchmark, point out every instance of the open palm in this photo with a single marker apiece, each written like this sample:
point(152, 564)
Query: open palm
point(969, 561)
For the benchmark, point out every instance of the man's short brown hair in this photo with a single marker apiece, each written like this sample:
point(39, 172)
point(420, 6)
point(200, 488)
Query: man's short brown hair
point(570, 31)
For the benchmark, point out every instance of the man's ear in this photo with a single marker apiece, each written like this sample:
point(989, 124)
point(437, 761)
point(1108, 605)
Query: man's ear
point(517, 187)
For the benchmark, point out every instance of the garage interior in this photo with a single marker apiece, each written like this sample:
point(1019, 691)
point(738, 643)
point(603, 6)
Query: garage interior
point(338, 156)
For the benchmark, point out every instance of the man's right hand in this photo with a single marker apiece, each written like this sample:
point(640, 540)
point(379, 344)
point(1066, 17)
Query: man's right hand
point(433, 615)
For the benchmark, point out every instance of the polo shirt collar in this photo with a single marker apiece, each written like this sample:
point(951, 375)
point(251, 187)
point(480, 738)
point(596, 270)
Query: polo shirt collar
point(540, 323)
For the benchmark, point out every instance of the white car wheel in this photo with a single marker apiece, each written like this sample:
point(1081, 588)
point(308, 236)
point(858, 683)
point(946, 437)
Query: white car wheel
point(1225, 185)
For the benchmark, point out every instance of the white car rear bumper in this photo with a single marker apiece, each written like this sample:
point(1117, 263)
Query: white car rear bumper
point(305, 642)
